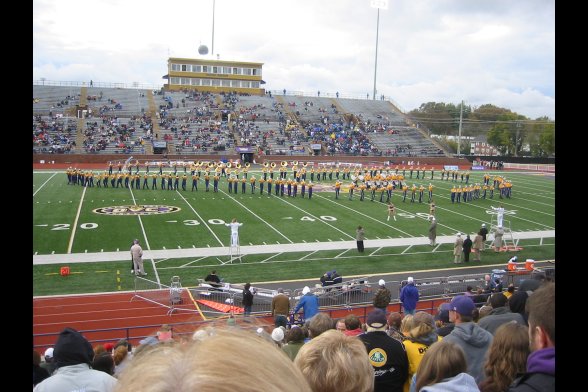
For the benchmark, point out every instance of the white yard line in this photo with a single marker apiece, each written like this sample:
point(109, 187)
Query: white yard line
point(146, 241)
point(193, 261)
point(342, 253)
point(257, 216)
point(201, 219)
point(271, 257)
point(311, 253)
point(75, 225)
point(43, 184)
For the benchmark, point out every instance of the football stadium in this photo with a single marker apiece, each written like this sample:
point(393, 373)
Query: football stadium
point(211, 208)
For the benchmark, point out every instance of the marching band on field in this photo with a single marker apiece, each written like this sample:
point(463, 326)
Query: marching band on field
point(373, 183)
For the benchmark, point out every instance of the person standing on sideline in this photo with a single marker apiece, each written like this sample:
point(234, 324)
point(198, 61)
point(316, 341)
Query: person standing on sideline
point(409, 296)
point(280, 308)
point(360, 237)
point(234, 225)
point(499, 214)
point(247, 299)
point(432, 230)
point(457, 249)
point(478, 246)
point(484, 232)
point(382, 297)
point(308, 302)
point(391, 211)
point(137, 255)
point(498, 233)
point(467, 248)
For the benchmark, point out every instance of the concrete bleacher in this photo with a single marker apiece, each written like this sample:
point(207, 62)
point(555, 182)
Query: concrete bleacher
point(373, 111)
point(55, 99)
point(54, 136)
point(274, 124)
point(131, 101)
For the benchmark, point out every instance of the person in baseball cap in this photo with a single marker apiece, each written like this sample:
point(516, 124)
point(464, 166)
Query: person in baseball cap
point(462, 305)
point(376, 320)
point(473, 339)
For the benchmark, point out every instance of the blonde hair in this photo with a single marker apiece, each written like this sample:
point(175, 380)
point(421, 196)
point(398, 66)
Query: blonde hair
point(422, 324)
point(506, 356)
point(334, 362)
point(442, 360)
point(119, 354)
point(406, 324)
point(230, 360)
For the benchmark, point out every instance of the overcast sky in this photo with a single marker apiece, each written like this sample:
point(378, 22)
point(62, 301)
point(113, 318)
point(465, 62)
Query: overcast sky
point(500, 52)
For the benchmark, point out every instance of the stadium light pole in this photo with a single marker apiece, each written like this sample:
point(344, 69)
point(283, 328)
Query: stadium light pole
point(383, 4)
point(213, 7)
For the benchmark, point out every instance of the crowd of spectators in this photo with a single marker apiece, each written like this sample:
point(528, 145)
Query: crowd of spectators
point(419, 352)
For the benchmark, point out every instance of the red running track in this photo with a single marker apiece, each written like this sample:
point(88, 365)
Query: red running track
point(102, 311)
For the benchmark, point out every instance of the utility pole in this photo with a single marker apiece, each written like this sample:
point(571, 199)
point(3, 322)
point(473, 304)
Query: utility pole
point(459, 134)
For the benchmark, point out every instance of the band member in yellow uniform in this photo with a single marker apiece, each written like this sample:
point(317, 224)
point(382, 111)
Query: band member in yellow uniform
point(215, 180)
point(302, 188)
point(195, 179)
point(421, 192)
point(261, 182)
point(351, 188)
point(430, 192)
point(252, 183)
point(337, 188)
point(243, 184)
point(206, 181)
point(413, 191)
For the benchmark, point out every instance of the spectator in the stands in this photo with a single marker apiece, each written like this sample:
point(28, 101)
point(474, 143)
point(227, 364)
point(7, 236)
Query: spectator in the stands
point(473, 339)
point(443, 368)
point(421, 336)
point(334, 362)
point(104, 362)
point(387, 355)
point(320, 323)
point(49, 363)
point(226, 361)
point(73, 355)
point(444, 326)
point(352, 325)
point(394, 326)
point(517, 303)
point(540, 375)
point(39, 374)
point(294, 341)
point(500, 314)
point(506, 357)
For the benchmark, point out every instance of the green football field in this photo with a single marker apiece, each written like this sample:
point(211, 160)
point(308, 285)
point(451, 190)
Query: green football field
point(88, 222)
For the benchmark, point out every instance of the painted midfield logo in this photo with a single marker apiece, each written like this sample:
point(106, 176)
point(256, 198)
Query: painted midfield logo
point(136, 210)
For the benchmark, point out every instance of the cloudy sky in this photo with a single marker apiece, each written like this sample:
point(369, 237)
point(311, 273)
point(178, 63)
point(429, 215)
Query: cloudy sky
point(500, 52)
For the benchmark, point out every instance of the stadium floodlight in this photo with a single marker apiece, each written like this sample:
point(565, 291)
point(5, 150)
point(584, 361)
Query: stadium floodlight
point(379, 4)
